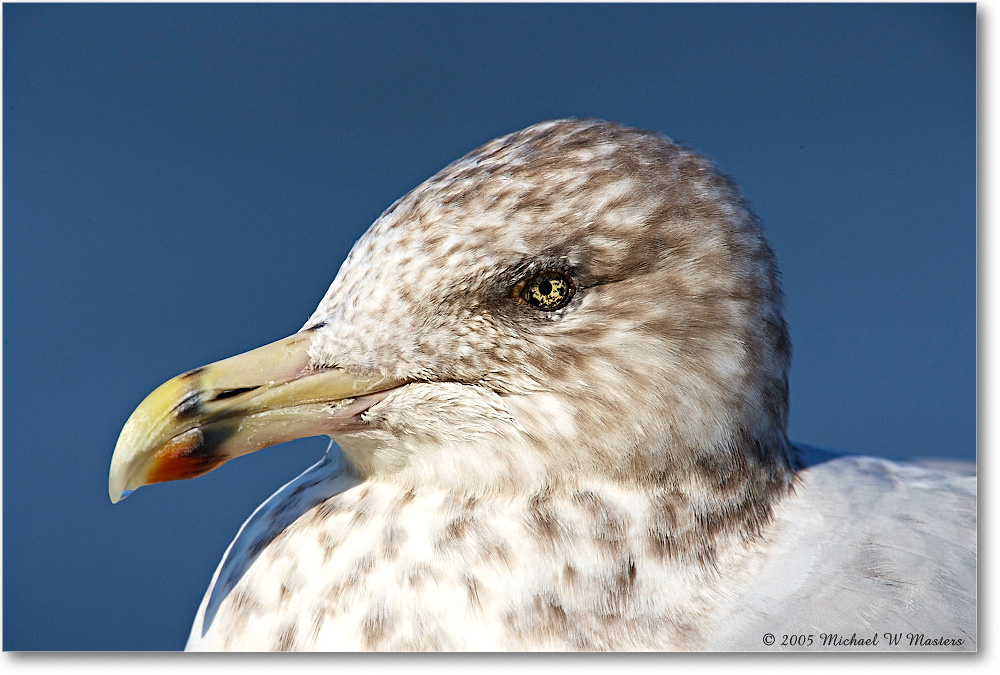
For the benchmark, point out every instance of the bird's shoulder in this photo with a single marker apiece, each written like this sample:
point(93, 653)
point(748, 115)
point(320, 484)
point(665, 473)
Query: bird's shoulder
point(865, 546)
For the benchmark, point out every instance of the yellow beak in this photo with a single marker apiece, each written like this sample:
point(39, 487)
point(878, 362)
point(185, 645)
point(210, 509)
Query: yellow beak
point(193, 423)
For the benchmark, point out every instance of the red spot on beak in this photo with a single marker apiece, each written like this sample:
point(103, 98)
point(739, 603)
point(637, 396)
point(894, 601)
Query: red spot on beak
point(184, 457)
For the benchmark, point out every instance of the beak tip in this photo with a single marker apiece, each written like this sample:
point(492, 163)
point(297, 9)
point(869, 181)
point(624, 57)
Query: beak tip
point(118, 488)
point(120, 495)
point(115, 492)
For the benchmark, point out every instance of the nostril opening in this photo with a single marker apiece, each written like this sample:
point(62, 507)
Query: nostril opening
point(229, 393)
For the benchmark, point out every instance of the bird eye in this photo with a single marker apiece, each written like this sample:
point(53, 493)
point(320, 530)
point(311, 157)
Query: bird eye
point(548, 291)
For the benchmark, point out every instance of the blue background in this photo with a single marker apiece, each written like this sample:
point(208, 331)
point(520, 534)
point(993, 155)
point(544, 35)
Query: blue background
point(181, 184)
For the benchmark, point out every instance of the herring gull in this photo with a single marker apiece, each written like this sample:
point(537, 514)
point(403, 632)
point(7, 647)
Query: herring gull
point(556, 372)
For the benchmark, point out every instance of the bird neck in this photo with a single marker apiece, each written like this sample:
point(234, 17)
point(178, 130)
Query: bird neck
point(688, 505)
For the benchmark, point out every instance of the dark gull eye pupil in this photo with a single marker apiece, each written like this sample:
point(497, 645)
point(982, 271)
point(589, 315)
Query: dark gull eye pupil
point(548, 291)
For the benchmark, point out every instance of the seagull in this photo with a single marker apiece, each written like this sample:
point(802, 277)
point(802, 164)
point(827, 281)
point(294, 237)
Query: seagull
point(556, 376)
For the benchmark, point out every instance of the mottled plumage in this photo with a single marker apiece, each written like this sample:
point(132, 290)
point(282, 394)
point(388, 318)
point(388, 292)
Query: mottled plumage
point(865, 546)
point(600, 465)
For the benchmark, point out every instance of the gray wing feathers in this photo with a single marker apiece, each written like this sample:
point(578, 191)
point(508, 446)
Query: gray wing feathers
point(867, 547)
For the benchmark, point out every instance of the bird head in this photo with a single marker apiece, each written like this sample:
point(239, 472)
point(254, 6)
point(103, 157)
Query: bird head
point(576, 299)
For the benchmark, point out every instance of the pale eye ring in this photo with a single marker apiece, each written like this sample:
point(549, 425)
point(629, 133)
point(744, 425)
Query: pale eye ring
point(548, 291)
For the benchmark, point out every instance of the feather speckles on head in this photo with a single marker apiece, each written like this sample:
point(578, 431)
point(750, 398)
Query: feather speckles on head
point(591, 264)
